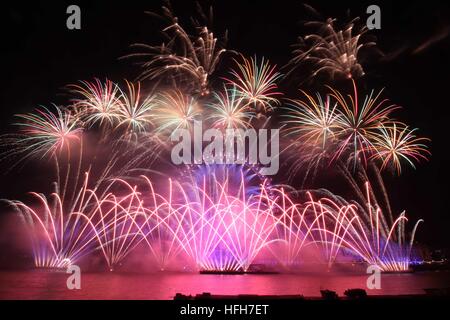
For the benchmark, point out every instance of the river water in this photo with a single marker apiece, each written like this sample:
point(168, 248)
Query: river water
point(48, 285)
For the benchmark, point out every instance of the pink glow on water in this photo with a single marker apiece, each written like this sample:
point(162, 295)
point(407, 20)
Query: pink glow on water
point(43, 285)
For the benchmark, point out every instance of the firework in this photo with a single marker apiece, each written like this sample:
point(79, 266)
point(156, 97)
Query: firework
point(114, 222)
point(359, 122)
point(312, 121)
point(214, 222)
point(189, 59)
point(62, 232)
point(365, 233)
point(175, 110)
point(222, 232)
point(396, 144)
point(218, 217)
point(332, 51)
point(99, 102)
point(344, 133)
point(59, 237)
point(135, 111)
point(229, 110)
point(332, 129)
point(306, 158)
point(256, 82)
point(46, 133)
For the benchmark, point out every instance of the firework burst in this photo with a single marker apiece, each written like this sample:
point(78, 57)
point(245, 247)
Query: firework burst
point(175, 110)
point(332, 51)
point(135, 111)
point(99, 102)
point(229, 110)
point(188, 59)
point(396, 144)
point(312, 121)
point(333, 130)
point(218, 217)
point(256, 82)
point(359, 123)
point(45, 132)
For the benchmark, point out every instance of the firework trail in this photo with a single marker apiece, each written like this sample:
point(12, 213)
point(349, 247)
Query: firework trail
point(365, 233)
point(332, 51)
point(115, 223)
point(189, 59)
point(62, 232)
point(221, 231)
point(59, 237)
point(215, 222)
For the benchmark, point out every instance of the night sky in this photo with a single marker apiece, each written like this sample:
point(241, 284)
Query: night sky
point(39, 56)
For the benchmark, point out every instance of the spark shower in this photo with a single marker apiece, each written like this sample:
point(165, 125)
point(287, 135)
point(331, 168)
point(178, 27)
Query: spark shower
point(116, 192)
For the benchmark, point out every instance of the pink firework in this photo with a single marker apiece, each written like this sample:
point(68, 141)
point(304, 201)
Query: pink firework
point(45, 132)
